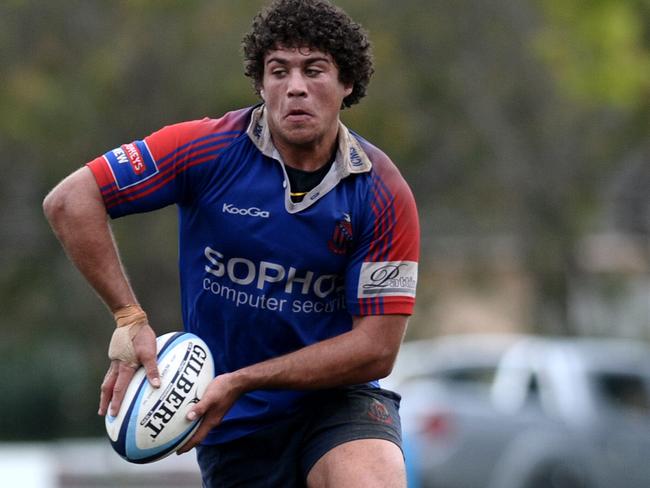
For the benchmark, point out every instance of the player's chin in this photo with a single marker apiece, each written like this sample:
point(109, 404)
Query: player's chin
point(301, 135)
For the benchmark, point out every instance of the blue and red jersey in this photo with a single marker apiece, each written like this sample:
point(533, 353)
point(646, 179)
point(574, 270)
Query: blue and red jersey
point(261, 275)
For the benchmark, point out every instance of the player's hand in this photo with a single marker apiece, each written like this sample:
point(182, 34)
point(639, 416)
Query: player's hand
point(219, 397)
point(121, 372)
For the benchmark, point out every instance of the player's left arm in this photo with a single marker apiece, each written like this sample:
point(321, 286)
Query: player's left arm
point(367, 352)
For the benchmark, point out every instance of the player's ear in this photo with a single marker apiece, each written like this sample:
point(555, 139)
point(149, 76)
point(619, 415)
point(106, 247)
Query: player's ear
point(262, 93)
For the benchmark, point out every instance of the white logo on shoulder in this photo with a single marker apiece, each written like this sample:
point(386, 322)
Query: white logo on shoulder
point(388, 279)
point(245, 212)
point(120, 155)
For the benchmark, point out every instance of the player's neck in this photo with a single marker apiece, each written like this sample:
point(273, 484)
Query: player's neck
point(308, 157)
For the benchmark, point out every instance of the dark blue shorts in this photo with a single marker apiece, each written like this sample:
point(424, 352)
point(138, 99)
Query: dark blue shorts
point(282, 455)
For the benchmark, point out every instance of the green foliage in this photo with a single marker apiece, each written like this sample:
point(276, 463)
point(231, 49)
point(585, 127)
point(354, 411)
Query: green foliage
point(599, 49)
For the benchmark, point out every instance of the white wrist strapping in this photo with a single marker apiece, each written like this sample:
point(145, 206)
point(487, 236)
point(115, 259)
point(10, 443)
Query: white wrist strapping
point(129, 319)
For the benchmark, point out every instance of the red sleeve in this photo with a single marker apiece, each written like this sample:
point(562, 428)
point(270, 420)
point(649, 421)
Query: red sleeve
point(383, 273)
point(154, 172)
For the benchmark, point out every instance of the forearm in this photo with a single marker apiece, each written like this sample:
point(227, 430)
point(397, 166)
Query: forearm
point(78, 217)
point(365, 353)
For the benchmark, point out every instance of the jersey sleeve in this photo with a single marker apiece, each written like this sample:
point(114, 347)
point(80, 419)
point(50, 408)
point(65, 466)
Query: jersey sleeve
point(382, 275)
point(155, 172)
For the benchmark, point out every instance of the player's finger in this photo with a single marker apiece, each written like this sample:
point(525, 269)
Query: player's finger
point(200, 434)
point(198, 409)
point(196, 412)
point(151, 369)
point(106, 391)
point(144, 344)
point(125, 373)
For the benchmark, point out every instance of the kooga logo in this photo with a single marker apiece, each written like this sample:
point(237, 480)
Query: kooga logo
point(250, 212)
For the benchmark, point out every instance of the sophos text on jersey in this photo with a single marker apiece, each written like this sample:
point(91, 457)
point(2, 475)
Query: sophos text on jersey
point(250, 275)
point(244, 272)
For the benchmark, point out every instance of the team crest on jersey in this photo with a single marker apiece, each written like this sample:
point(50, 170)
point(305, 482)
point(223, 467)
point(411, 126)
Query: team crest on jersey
point(341, 241)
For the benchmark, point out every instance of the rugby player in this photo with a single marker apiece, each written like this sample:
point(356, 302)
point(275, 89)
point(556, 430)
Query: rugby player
point(298, 251)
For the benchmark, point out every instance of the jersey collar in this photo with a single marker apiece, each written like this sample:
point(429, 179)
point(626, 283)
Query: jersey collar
point(350, 159)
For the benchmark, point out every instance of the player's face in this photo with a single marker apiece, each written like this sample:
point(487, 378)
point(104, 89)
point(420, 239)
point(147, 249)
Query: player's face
point(303, 96)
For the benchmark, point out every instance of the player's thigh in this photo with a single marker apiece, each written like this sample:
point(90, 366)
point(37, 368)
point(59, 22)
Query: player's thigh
point(371, 463)
point(263, 459)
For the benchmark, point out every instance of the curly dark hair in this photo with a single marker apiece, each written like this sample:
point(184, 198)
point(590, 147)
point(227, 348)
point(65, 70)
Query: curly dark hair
point(316, 24)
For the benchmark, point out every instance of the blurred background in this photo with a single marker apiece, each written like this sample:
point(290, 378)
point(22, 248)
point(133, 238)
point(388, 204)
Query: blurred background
point(522, 126)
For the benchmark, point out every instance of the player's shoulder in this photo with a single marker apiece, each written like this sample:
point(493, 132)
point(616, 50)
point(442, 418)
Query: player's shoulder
point(230, 125)
point(383, 167)
point(187, 137)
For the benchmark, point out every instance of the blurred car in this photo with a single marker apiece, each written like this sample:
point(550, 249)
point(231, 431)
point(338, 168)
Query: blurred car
point(510, 411)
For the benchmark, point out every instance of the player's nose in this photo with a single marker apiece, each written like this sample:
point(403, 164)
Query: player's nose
point(296, 84)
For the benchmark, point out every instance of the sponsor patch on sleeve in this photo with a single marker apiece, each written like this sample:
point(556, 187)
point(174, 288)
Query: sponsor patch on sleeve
point(131, 164)
point(388, 279)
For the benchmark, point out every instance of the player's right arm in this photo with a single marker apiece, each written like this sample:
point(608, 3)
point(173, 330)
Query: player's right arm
point(77, 214)
point(166, 167)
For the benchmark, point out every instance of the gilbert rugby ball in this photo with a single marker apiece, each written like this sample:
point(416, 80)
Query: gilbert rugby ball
point(151, 422)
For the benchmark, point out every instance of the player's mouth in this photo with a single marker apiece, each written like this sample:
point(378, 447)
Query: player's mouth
point(297, 115)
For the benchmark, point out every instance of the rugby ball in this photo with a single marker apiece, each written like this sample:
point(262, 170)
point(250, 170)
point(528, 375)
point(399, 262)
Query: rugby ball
point(151, 422)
